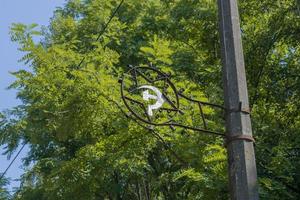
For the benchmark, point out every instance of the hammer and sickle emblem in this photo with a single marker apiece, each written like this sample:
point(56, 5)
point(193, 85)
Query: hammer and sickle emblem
point(159, 97)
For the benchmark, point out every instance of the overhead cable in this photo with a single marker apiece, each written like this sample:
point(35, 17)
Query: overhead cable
point(10, 164)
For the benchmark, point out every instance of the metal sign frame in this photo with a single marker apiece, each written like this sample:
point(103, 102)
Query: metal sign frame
point(135, 71)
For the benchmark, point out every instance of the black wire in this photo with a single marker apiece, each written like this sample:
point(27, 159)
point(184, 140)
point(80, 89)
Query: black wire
point(10, 164)
point(111, 17)
point(104, 29)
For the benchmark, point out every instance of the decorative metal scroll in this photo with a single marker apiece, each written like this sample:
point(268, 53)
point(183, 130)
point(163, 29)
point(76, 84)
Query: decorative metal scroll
point(153, 99)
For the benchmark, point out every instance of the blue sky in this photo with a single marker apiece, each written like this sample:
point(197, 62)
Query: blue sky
point(17, 11)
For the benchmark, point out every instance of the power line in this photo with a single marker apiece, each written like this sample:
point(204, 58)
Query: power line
point(10, 164)
point(104, 28)
point(82, 60)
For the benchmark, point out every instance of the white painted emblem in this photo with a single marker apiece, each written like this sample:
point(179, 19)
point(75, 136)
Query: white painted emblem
point(159, 97)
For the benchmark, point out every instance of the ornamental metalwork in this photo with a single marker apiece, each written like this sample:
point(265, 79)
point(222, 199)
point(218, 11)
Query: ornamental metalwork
point(151, 98)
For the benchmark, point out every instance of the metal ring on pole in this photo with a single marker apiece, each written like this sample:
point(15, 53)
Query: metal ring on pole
point(247, 138)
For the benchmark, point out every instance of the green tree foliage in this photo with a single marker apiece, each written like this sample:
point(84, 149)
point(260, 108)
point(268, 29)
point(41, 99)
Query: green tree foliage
point(81, 144)
point(4, 194)
point(272, 56)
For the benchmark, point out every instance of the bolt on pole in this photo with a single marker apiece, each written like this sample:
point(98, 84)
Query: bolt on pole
point(241, 158)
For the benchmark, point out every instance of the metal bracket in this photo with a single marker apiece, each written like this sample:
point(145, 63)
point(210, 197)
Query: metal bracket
point(240, 109)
